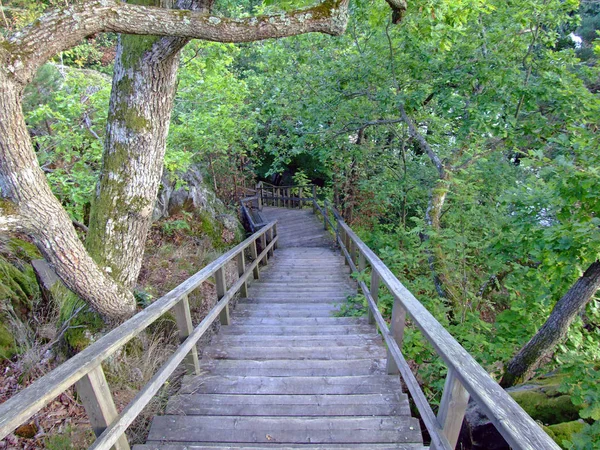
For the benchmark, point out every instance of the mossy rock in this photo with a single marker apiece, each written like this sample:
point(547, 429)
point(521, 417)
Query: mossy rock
point(543, 401)
point(18, 293)
point(561, 432)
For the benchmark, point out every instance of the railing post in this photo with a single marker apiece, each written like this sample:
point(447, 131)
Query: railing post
point(300, 203)
point(241, 266)
point(98, 403)
point(275, 235)
point(278, 197)
point(325, 216)
point(270, 233)
point(352, 251)
point(288, 198)
point(254, 255)
point(374, 290)
point(221, 284)
point(344, 239)
point(452, 408)
point(397, 331)
point(260, 195)
point(314, 196)
point(184, 323)
point(263, 244)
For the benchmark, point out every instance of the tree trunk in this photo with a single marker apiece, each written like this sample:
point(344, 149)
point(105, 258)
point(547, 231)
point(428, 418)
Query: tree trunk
point(31, 207)
point(141, 101)
point(530, 357)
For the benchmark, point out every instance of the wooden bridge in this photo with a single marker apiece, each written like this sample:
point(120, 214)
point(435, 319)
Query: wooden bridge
point(284, 371)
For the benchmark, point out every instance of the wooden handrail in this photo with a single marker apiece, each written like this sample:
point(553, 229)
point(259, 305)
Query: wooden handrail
point(465, 376)
point(85, 368)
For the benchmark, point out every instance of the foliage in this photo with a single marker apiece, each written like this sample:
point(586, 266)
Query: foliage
point(65, 110)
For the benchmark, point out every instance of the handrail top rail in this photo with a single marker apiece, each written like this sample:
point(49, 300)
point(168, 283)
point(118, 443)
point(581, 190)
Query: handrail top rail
point(30, 400)
point(515, 425)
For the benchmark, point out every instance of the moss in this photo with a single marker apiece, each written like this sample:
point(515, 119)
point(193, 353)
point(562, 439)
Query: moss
point(563, 431)
point(545, 408)
point(8, 346)
point(23, 250)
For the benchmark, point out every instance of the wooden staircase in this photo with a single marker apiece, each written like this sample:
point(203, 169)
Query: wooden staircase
point(288, 373)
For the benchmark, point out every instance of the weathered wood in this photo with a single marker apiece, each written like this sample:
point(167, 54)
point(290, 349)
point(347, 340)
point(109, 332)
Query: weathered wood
point(270, 446)
point(301, 368)
point(329, 353)
point(374, 290)
point(452, 408)
point(300, 199)
point(221, 285)
point(516, 426)
point(263, 244)
point(314, 198)
point(372, 384)
point(289, 405)
point(270, 238)
point(397, 326)
point(241, 266)
point(254, 255)
point(239, 429)
point(23, 405)
point(292, 330)
point(184, 323)
point(97, 400)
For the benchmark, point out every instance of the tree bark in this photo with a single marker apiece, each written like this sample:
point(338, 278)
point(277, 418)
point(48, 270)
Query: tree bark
point(143, 89)
point(542, 345)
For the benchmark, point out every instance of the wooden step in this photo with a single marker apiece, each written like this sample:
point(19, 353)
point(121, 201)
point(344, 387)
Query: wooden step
point(287, 367)
point(289, 405)
point(329, 353)
point(271, 446)
point(343, 385)
point(294, 330)
point(290, 430)
point(252, 340)
point(298, 320)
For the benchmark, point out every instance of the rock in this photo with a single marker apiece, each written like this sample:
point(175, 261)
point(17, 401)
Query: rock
point(540, 398)
point(185, 191)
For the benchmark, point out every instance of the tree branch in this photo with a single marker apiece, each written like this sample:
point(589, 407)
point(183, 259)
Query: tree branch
point(62, 29)
point(433, 156)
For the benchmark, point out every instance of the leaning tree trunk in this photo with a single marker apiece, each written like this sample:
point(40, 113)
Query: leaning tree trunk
point(29, 206)
point(530, 357)
point(138, 122)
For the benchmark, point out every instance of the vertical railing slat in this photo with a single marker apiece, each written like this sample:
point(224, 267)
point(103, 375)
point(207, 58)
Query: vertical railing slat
point(455, 399)
point(374, 290)
point(241, 267)
point(221, 285)
point(397, 331)
point(183, 317)
point(94, 392)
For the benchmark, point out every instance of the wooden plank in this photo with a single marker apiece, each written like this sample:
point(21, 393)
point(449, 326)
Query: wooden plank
point(374, 290)
point(290, 330)
point(397, 326)
point(221, 285)
point(298, 341)
point(452, 408)
point(240, 429)
point(314, 198)
point(288, 405)
point(514, 424)
point(373, 384)
point(241, 266)
point(157, 445)
point(330, 353)
point(254, 256)
point(184, 324)
point(300, 321)
point(286, 367)
point(97, 400)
